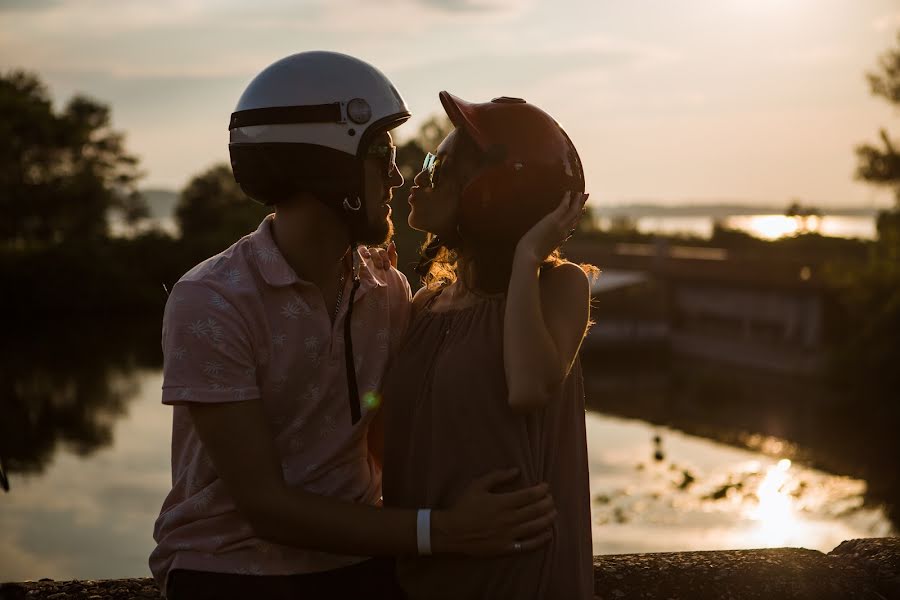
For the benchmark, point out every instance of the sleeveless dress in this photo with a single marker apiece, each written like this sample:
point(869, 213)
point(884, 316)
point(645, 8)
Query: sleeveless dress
point(447, 421)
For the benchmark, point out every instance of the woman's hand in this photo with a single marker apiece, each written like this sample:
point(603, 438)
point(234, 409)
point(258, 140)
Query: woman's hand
point(484, 523)
point(555, 228)
point(382, 258)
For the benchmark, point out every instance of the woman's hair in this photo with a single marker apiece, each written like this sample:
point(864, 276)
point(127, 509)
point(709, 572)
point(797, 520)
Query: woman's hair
point(487, 263)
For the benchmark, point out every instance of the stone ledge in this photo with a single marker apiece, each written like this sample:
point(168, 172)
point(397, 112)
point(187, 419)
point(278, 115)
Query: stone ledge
point(865, 569)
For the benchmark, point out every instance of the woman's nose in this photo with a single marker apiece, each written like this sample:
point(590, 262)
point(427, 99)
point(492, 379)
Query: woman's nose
point(422, 179)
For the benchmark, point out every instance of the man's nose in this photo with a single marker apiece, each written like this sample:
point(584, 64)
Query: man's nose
point(396, 177)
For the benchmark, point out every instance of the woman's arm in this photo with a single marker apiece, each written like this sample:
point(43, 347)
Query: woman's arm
point(546, 312)
point(238, 440)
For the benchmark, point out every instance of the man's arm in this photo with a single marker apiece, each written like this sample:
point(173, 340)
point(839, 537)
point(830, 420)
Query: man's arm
point(481, 523)
point(210, 368)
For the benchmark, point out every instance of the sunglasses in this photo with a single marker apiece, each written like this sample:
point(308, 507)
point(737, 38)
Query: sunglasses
point(387, 153)
point(432, 167)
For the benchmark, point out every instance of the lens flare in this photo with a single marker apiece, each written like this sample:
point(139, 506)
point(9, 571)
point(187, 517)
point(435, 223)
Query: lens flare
point(372, 400)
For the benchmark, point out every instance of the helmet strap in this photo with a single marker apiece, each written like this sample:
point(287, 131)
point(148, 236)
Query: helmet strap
point(350, 365)
point(354, 217)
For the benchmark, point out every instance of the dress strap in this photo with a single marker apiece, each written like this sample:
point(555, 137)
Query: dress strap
point(431, 300)
point(424, 305)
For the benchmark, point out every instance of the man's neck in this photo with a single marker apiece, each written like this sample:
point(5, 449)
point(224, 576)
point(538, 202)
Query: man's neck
point(312, 240)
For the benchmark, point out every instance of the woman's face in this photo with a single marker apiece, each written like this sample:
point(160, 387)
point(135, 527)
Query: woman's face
point(435, 209)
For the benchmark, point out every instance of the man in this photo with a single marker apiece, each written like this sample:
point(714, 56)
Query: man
point(274, 352)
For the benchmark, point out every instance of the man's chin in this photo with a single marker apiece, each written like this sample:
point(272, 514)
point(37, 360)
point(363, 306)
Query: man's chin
point(378, 233)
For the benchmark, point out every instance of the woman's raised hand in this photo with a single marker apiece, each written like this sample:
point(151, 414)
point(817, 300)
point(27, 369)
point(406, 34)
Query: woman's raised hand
point(382, 258)
point(555, 228)
point(485, 523)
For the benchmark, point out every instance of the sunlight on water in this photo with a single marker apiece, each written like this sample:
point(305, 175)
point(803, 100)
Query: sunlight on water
point(701, 495)
point(767, 227)
point(774, 511)
point(92, 516)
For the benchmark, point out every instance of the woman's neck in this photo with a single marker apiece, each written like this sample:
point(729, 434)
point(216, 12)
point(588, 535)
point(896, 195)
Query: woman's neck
point(481, 276)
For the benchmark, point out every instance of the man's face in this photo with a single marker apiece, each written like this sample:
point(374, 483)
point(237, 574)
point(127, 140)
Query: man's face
point(381, 177)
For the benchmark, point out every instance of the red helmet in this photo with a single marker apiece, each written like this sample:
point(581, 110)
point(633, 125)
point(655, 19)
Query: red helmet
point(530, 164)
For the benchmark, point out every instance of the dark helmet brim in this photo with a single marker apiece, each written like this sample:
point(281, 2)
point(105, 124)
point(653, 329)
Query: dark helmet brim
point(461, 114)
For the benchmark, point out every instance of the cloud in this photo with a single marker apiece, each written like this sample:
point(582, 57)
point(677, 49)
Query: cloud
point(27, 5)
point(275, 16)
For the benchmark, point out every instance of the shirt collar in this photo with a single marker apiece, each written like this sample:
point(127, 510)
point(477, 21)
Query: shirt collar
point(269, 261)
point(278, 273)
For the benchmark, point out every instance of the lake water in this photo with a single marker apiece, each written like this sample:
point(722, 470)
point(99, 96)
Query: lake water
point(765, 226)
point(88, 511)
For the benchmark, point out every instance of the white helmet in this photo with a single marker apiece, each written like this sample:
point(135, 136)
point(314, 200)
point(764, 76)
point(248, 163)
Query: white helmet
point(305, 123)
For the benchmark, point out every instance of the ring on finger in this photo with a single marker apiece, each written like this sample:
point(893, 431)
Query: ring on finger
point(517, 546)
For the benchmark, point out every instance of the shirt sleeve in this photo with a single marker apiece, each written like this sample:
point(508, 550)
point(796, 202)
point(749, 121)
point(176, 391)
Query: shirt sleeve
point(207, 353)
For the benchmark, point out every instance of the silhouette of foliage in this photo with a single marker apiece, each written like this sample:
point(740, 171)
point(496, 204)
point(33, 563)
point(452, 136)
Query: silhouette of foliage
point(881, 166)
point(60, 172)
point(867, 362)
point(213, 208)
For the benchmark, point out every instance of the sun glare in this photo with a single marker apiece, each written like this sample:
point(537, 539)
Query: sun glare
point(768, 227)
point(775, 514)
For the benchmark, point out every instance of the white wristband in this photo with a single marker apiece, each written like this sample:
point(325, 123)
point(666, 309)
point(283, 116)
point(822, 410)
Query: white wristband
point(423, 531)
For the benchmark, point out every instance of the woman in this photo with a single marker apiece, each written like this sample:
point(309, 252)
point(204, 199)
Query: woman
point(489, 374)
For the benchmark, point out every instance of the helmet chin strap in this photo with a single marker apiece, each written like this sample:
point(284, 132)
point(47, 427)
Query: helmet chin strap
point(352, 213)
point(352, 388)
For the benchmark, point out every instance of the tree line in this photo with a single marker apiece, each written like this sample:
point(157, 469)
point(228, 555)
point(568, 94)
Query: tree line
point(64, 173)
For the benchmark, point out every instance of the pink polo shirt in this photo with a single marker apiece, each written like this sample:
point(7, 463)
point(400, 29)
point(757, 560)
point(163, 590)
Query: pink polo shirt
point(242, 326)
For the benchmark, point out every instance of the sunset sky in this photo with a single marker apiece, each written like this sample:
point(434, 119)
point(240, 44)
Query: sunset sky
point(669, 101)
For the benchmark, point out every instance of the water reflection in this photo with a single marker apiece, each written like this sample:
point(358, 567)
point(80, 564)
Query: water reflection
point(755, 409)
point(67, 384)
point(765, 226)
point(706, 496)
point(774, 507)
point(91, 517)
point(87, 443)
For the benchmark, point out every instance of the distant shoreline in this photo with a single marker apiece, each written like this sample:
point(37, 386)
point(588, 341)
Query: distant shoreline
point(720, 210)
point(162, 204)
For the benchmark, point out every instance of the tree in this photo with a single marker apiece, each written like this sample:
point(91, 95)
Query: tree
point(60, 172)
point(212, 208)
point(867, 360)
point(802, 214)
point(881, 166)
